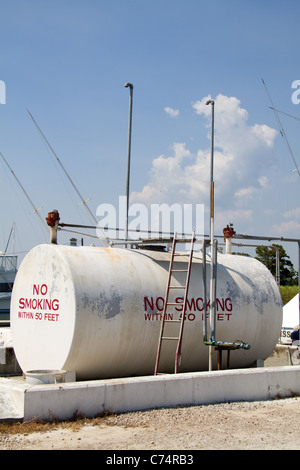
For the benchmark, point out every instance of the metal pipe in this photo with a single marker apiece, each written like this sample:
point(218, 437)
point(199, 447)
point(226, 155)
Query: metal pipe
point(212, 310)
point(212, 341)
point(213, 245)
point(236, 237)
point(204, 293)
point(214, 293)
point(130, 86)
point(53, 221)
point(228, 246)
point(211, 221)
point(277, 275)
point(212, 171)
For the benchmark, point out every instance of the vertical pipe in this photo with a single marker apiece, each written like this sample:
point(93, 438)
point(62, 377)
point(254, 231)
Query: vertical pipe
point(53, 234)
point(211, 218)
point(52, 221)
point(228, 242)
point(130, 86)
point(212, 172)
point(205, 338)
point(277, 276)
point(214, 292)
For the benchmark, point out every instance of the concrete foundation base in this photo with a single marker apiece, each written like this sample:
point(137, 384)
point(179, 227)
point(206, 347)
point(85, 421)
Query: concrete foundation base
point(283, 355)
point(22, 401)
point(8, 362)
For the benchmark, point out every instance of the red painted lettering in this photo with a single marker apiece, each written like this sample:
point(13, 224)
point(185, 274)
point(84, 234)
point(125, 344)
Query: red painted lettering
point(37, 289)
point(199, 304)
point(157, 316)
point(191, 304)
point(40, 304)
point(150, 303)
point(159, 303)
point(44, 289)
point(51, 316)
point(179, 300)
point(55, 304)
point(223, 306)
point(28, 315)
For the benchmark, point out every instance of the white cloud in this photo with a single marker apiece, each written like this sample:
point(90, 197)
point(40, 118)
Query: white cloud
point(233, 216)
point(293, 213)
point(245, 149)
point(227, 110)
point(265, 133)
point(262, 183)
point(246, 192)
point(287, 229)
point(171, 112)
point(168, 178)
point(241, 161)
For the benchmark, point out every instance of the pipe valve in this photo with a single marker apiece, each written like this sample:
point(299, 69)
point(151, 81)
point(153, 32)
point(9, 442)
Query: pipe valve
point(53, 218)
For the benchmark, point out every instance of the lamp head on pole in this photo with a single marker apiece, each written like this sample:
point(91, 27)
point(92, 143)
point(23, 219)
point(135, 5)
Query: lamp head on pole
point(128, 85)
point(210, 102)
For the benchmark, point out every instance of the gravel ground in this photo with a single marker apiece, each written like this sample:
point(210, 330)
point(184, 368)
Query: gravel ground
point(272, 425)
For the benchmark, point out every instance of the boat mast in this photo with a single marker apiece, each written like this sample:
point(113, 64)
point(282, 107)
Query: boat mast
point(24, 191)
point(282, 131)
point(83, 201)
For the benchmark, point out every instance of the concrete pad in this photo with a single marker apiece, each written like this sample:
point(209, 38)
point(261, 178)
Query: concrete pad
point(91, 398)
point(283, 355)
point(65, 401)
point(12, 395)
point(9, 412)
point(8, 362)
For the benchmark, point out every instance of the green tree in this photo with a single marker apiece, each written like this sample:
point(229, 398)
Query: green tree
point(267, 256)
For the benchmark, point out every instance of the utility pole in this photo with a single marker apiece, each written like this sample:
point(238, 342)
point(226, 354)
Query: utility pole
point(130, 86)
point(212, 247)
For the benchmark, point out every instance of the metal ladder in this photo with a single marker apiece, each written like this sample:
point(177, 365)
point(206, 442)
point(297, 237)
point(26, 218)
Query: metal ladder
point(180, 321)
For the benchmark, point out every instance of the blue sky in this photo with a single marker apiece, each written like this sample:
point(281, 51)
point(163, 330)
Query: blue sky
point(67, 61)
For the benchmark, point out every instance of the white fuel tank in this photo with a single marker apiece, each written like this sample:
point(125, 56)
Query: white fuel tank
point(97, 311)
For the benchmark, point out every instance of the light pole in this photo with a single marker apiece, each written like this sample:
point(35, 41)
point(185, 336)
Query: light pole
point(212, 247)
point(130, 86)
point(212, 171)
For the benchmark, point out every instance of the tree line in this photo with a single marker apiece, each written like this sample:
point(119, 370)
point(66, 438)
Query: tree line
point(267, 256)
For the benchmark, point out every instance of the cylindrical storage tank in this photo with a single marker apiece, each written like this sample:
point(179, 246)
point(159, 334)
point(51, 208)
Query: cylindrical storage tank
point(97, 311)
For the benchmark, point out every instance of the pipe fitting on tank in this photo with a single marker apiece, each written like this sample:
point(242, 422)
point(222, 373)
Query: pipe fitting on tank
point(228, 233)
point(52, 220)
